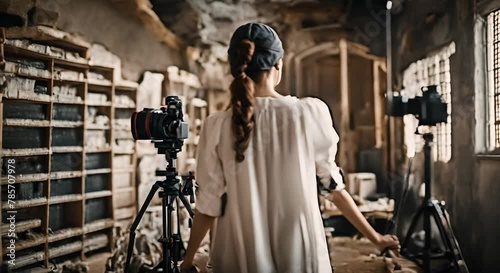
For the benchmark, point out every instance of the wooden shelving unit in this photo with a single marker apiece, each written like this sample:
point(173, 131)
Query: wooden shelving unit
point(124, 156)
point(58, 123)
point(188, 88)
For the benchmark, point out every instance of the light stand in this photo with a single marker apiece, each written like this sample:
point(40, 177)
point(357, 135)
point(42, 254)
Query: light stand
point(433, 208)
point(170, 192)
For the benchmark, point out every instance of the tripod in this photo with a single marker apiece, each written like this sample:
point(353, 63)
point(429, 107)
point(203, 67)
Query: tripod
point(170, 192)
point(435, 209)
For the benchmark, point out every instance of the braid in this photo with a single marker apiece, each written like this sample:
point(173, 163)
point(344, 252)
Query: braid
point(242, 98)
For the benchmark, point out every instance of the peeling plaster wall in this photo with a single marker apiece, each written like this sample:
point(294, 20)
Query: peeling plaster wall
point(469, 184)
point(101, 22)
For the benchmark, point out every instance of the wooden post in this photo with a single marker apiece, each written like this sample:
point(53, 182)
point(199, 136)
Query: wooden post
point(344, 159)
point(377, 106)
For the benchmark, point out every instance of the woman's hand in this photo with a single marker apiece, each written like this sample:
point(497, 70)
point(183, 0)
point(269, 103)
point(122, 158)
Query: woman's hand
point(385, 242)
point(188, 267)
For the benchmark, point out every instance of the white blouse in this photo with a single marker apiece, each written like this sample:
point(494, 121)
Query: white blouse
point(271, 221)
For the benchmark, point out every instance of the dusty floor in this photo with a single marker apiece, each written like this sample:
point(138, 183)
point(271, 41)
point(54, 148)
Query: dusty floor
point(348, 256)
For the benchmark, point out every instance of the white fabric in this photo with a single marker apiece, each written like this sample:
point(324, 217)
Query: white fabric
point(272, 221)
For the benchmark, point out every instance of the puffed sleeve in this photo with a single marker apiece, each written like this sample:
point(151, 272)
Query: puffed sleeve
point(209, 174)
point(325, 141)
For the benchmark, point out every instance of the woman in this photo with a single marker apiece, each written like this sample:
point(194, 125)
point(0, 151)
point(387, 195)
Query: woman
point(257, 168)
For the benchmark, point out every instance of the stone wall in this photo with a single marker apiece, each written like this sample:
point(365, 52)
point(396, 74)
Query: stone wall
point(468, 182)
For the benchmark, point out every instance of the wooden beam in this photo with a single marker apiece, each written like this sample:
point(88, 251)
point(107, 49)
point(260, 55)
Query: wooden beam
point(377, 106)
point(344, 103)
point(484, 7)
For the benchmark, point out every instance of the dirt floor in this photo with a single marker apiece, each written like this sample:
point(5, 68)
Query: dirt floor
point(348, 256)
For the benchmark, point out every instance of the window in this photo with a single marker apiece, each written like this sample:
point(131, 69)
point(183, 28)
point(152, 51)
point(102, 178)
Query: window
point(433, 70)
point(493, 90)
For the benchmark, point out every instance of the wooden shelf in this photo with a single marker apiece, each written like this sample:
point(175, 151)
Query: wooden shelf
point(98, 225)
point(25, 152)
point(65, 249)
point(97, 194)
point(64, 234)
point(97, 127)
point(34, 73)
point(62, 175)
point(95, 242)
point(49, 36)
point(65, 199)
point(22, 204)
point(95, 235)
point(26, 178)
point(100, 85)
point(123, 190)
point(59, 81)
point(121, 152)
point(28, 259)
point(65, 62)
point(124, 213)
point(121, 88)
point(22, 226)
point(94, 150)
point(97, 171)
point(66, 149)
point(29, 243)
point(66, 124)
point(124, 170)
point(100, 67)
point(28, 97)
point(64, 101)
point(20, 51)
point(125, 107)
point(108, 103)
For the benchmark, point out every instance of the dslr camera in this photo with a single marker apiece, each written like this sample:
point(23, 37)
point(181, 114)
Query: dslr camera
point(430, 109)
point(164, 124)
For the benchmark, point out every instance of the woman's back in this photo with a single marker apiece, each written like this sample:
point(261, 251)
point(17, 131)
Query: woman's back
point(271, 222)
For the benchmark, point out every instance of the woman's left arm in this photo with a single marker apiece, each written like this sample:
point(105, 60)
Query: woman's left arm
point(201, 224)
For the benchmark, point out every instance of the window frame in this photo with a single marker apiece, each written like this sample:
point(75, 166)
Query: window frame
point(485, 145)
point(429, 71)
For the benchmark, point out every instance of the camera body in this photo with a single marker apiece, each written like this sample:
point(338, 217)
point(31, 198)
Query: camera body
point(430, 109)
point(165, 124)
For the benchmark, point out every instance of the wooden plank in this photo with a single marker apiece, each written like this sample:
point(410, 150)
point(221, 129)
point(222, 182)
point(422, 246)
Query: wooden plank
point(64, 234)
point(24, 244)
point(344, 102)
point(97, 194)
point(28, 259)
point(98, 225)
point(378, 106)
point(95, 242)
point(26, 122)
point(20, 204)
point(25, 152)
point(485, 7)
point(65, 249)
point(124, 213)
point(50, 36)
point(65, 198)
point(22, 226)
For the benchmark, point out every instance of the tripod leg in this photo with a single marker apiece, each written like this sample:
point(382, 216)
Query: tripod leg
point(412, 228)
point(448, 238)
point(427, 245)
point(186, 204)
point(136, 222)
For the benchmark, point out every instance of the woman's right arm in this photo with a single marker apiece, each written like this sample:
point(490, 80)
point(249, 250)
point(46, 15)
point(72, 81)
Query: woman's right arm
point(343, 200)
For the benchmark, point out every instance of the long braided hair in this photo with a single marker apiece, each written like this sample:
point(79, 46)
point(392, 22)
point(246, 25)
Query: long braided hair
point(242, 98)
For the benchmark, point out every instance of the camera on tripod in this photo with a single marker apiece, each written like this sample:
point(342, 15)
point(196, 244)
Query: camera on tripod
point(166, 123)
point(430, 109)
point(165, 127)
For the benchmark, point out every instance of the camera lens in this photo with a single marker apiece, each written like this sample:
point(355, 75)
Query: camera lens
point(140, 123)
